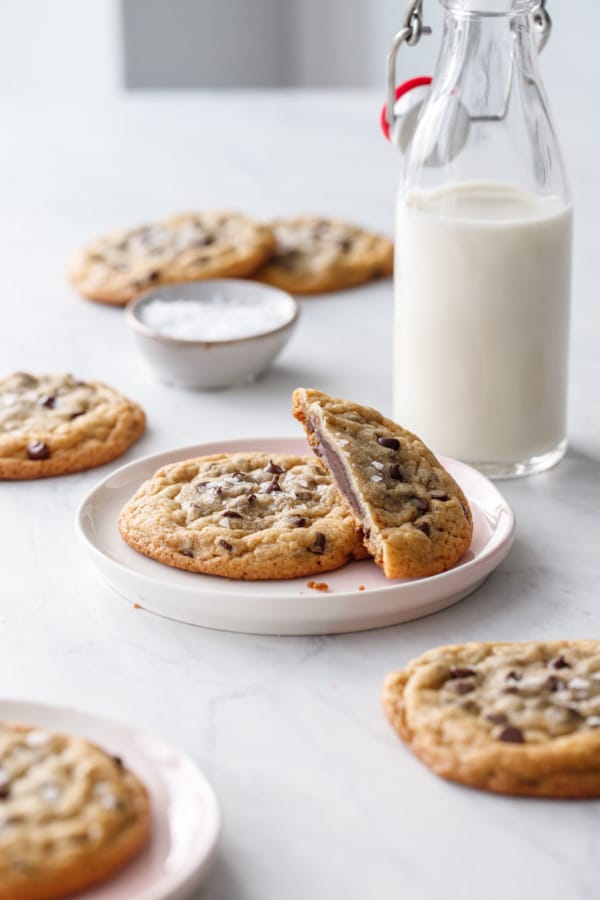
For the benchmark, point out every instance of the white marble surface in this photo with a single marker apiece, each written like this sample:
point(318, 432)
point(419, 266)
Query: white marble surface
point(320, 800)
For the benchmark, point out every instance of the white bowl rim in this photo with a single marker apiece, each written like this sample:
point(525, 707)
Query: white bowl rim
point(139, 326)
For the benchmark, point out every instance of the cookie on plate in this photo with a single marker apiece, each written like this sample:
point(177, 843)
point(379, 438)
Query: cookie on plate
point(318, 255)
point(54, 425)
point(415, 518)
point(519, 718)
point(116, 267)
point(70, 814)
point(244, 516)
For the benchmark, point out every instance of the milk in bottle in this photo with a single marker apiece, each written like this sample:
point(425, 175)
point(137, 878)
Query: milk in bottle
point(482, 318)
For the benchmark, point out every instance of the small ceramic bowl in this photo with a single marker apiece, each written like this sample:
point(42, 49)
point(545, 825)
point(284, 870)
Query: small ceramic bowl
point(214, 363)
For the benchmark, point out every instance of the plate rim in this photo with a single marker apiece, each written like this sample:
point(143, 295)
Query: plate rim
point(497, 541)
point(175, 884)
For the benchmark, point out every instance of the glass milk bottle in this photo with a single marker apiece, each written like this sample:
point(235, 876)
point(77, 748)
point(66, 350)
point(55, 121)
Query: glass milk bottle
point(483, 248)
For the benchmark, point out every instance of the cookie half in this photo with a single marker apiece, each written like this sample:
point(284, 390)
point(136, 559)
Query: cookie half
point(54, 425)
point(70, 814)
point(317, 255)
point(415, 518)
point(520, 718)
point(244, 516)
point(119, 266)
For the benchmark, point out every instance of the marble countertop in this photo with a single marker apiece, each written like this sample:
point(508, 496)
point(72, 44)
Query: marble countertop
point(319, 798)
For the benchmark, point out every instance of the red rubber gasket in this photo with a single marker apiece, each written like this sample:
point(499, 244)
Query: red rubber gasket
point(402, 89)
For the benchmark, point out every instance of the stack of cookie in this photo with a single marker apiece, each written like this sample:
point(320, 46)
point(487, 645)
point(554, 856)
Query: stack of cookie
point(515, 718)
point(375, 489)
point(304, 255)
point(70, 814)
point(56, 424)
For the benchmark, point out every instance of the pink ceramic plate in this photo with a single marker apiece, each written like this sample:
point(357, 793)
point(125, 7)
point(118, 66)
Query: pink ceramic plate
point(185, 814)
point(359, 596)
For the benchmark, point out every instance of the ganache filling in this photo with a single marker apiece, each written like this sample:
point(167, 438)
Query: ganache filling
point(335, 466)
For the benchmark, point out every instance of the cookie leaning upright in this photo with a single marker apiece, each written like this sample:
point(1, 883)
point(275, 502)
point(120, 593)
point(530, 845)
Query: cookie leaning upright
point(318, 255)
point(520, 718)
point(70, 814)
point(54, 425)
point(415, 518)
point(116, 267)
point(243, 516)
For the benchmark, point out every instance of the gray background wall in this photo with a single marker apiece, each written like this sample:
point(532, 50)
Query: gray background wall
point(88, 48)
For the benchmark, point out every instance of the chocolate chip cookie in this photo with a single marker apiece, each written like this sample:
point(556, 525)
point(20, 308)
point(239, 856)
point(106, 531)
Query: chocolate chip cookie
point(54, 425)
point(119, 266)
point(415, 518)
point(518, 718)
point(70, 814)
point(317, 255)
point(243, 515)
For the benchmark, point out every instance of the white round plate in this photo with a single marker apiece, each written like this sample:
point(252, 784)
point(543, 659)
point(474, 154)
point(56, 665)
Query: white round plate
point(185, 813)
point(359, 596)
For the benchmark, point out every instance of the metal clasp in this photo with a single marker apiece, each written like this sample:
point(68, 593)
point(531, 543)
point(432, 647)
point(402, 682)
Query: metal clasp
point(542, 23)
point(410, 33)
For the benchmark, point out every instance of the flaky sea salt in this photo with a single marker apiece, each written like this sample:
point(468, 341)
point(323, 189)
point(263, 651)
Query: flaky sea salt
point(219, 318)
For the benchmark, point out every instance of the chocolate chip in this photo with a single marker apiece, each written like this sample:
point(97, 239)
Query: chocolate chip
point(511, 735)
point(118, 761)
point(424, 527)
point(465, 510)
point(48, 400)
point(203, 241)
point(396, 472)
point(77, 413)
point(461, 672)
point(296, 522)
point(272, 469)
point(318, 546)
point(497, 718)
point(555, 684)
point(390, 442)
point(462, 687)
point(230, 514)
point(187, 553)
point(153, 276)
point(251, 498)
point(272, 486)
point(320, 229)
point(559, 662)
point(38, 450)
point(225, 544)
point(438, 495)
point(4, 791)
point(513, 676)
point(420, 503)
point(344, 244)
